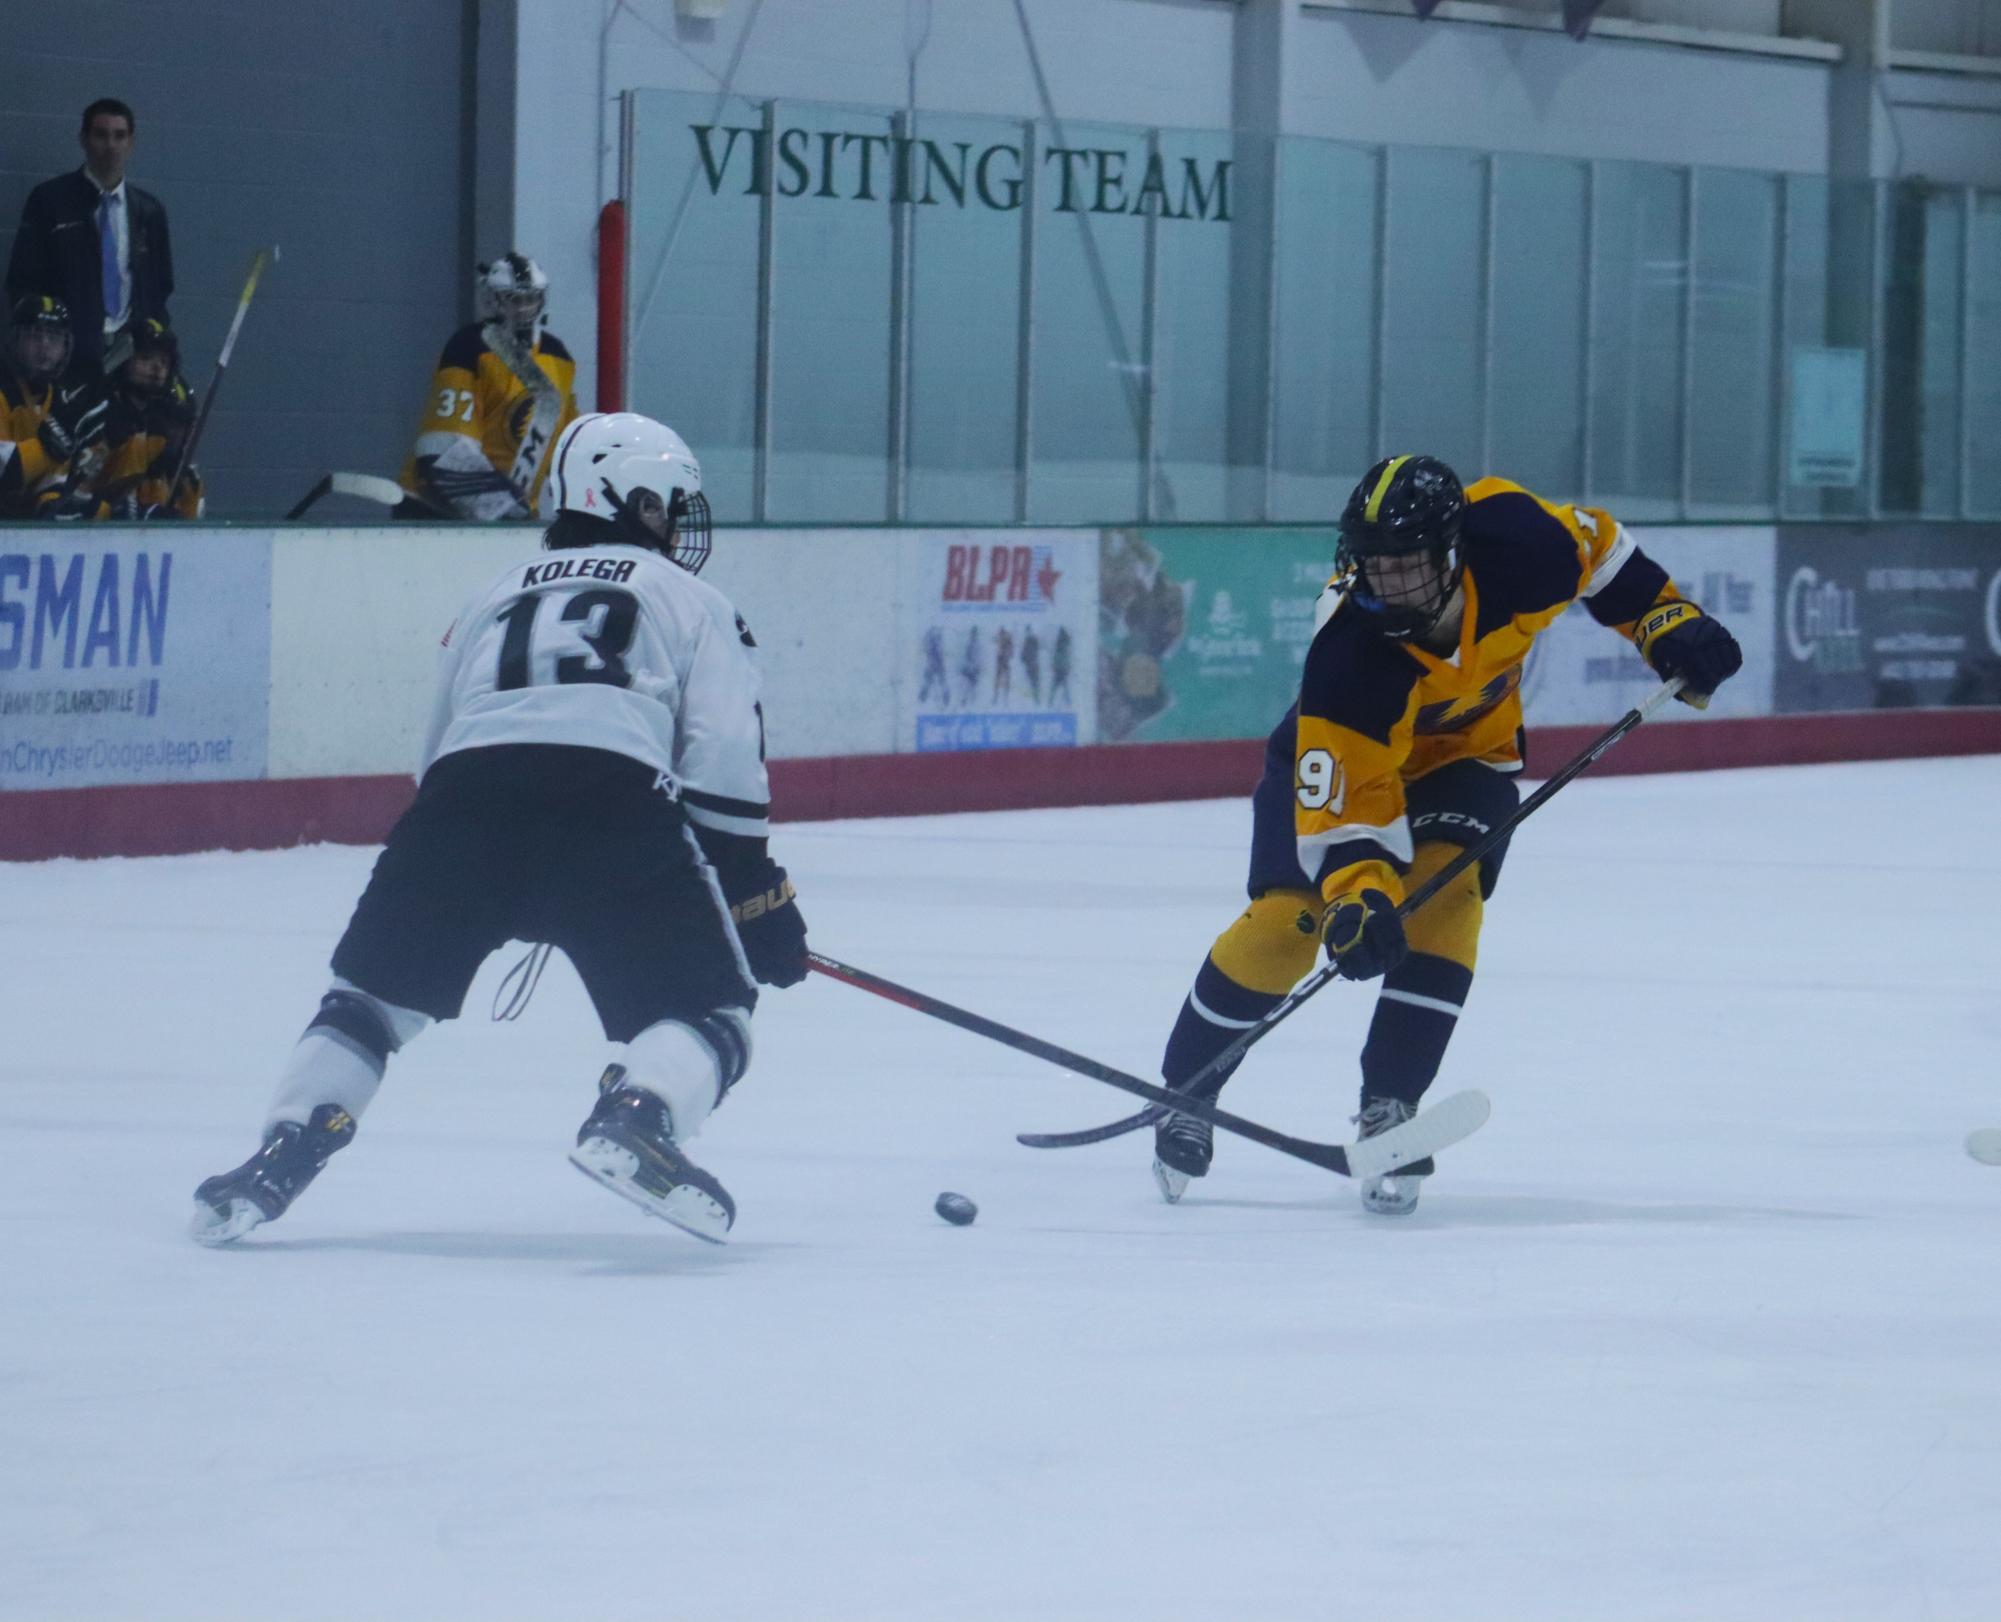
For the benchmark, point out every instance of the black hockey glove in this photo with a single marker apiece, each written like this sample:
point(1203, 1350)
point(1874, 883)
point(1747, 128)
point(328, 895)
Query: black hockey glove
point(1678, 639)
point(62, 440)
point(769, 924)
point(1364, 936)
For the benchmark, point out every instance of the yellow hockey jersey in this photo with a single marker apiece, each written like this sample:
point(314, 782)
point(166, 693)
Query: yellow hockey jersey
point(25, 465)
point(481, 418)
point(140, 452)
point(1376, 713)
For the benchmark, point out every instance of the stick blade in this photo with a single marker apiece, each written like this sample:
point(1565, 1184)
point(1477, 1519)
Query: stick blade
point(1445, 1123)
point(1091, 1134)
point(1985, 1145)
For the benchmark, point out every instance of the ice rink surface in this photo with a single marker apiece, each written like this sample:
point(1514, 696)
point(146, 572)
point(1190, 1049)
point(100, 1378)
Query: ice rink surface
point(1705, 1324)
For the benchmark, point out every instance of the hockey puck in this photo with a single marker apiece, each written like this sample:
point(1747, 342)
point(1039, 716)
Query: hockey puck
point(955, 1209)
point(1984, 1146)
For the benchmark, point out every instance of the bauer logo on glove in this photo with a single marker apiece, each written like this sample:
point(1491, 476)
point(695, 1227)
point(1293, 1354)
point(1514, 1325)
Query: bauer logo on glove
point(1678, 639)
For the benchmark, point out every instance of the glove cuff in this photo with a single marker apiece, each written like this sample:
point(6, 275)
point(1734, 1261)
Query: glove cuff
point(1348, 883)
point(1658, 621)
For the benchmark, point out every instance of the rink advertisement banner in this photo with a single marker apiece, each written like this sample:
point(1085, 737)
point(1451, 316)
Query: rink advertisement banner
point(1202, 632)
point(998, 639)
point(1888, 618)
point(1579, 673)
point(133, 656)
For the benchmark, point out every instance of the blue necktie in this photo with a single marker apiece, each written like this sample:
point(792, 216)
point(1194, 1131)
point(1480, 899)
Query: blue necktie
point(108, 241)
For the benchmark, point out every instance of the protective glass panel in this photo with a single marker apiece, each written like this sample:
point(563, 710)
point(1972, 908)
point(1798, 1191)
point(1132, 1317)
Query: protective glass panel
point(1983, 357)
point(1919, 410)
point(1434, 300)
point(1639, 280)
point(1535, 389)
point(840, 176)
point(1208, 328)
point(1089, 389)
point(1323, 364)
point(692, 281)
point(1733, 412)
point(966, 226)
point(1824, 375)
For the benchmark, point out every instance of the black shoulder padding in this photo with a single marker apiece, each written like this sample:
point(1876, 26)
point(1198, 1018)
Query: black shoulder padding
point(552, 345)
point(463, 349)
point(1522, 558)
point(1357, 678)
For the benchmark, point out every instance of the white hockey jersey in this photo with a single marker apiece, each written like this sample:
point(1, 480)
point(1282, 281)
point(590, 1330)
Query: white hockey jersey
point(612, 647)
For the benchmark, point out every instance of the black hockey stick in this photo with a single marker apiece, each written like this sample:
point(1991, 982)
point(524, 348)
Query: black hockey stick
point(1417, 898)
point(1439, 1127)
point(264, 256)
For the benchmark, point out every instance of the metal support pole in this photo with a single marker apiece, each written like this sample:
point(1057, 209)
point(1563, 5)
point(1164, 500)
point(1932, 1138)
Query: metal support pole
point(1879, 254)
point(1149, 346)
point(767, 245)
point(1268, 438)
point(1686, 493)
point(1965, 480)
point(1588, 359)
point(1489, 222)
point(902, 235)
point(1379, 350)
point(1782, 379)
point(1024, 339)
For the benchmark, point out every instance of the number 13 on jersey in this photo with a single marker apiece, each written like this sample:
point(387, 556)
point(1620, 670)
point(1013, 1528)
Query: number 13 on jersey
point(606, 621)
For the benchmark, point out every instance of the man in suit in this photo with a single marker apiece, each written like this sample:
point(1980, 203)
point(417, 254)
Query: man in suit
point(94, 241)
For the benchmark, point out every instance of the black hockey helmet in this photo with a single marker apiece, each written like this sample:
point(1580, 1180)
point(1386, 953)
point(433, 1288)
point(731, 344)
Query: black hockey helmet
point(152, 336)
point(39, 338)
point(1400, 543)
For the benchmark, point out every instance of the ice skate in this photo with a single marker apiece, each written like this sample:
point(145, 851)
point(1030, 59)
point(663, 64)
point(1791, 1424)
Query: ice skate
point(1183, 1146)
point(628, 1145)
point(263, 1187)
point(1394, 1194)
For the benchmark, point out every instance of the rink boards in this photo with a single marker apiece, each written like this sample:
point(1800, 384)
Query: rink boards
point(186, 687)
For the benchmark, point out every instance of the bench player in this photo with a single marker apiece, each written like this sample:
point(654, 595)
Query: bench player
point(1402, 749)
point(594, 778)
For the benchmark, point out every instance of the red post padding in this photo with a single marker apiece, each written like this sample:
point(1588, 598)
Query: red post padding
point(611, 306)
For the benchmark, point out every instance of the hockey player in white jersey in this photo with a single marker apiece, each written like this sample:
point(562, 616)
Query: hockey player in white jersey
point(593, 777)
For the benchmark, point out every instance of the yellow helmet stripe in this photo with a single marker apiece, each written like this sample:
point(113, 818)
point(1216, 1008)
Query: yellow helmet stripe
point(1375, 502)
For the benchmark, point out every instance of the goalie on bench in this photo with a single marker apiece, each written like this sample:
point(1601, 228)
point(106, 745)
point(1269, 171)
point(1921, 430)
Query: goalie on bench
point(1401, 751)
point(593, 778)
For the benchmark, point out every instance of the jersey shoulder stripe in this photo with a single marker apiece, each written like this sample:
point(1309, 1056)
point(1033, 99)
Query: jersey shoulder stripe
point(1523, 556)
point(463, 349)
point(1357, 679)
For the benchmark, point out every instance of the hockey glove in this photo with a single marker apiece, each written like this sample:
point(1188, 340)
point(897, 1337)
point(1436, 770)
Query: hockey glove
point(1363, 935)
point(62, 440)
point(769, 924)
point(1678, 639)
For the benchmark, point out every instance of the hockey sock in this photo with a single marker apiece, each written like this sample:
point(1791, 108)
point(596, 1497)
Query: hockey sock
point(1418, 1007)
point(342, 1055)
point(689, 1066)
point(1247, 974)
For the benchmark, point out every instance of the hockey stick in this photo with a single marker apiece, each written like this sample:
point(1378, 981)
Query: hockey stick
point(1417, 898)
point(1439, 1127)
point(264, 255)
point(366, 486)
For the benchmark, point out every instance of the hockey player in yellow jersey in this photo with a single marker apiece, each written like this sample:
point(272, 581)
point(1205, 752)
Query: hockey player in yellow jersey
point(505, 388)
point(151, 412)
point(1402, 750)
point(37, 437)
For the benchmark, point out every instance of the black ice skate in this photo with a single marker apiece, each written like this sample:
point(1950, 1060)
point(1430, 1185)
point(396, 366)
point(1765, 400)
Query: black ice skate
point(1183, 1146)
point(628, 1145)
point(1395, 1194)
point(264, 1186)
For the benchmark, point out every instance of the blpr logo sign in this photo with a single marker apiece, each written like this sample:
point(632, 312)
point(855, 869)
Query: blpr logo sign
point(1820, 622)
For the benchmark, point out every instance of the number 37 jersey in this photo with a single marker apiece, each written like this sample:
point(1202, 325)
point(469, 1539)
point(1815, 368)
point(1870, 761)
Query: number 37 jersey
point(612, 647)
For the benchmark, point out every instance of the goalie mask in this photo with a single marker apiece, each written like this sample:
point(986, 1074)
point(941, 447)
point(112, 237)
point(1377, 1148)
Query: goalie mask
point(39, 339)
point(513, 291)
point(617, 478)
point(1400, 543)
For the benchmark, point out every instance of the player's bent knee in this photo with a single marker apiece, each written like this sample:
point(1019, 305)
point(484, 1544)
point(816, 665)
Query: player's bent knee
point(691, 1064)
point(1270, 947)
point(1448, 925)
point(367, 1025)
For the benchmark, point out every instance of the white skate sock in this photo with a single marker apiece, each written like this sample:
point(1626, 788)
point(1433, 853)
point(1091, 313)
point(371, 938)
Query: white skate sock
point(342, 1055)
point(690, 1067)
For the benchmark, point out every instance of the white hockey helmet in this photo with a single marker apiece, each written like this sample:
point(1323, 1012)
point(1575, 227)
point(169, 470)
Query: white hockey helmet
point(514, 290)
point(634, 475)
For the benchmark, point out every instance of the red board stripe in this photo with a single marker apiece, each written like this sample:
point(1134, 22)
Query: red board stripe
point(162, 819)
